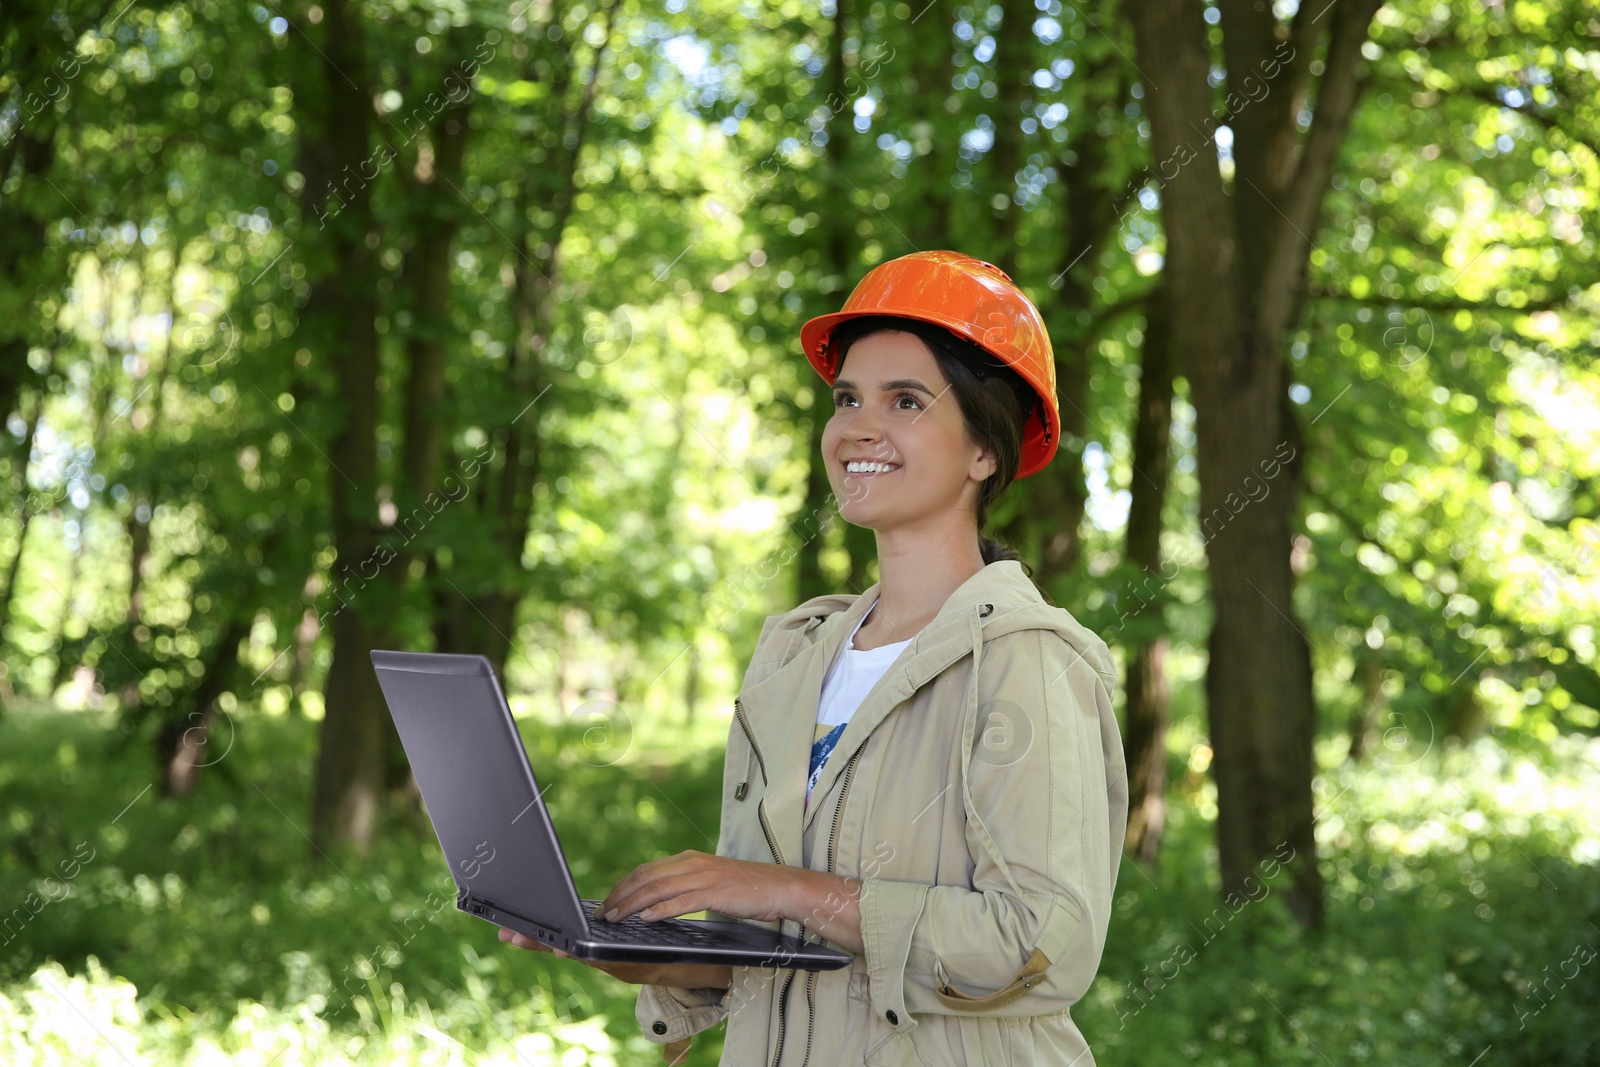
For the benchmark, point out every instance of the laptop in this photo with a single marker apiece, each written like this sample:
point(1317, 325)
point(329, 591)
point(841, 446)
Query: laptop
point(508, 865)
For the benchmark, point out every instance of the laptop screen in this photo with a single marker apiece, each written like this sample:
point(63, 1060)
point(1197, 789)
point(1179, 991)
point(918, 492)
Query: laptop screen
point(476, 782)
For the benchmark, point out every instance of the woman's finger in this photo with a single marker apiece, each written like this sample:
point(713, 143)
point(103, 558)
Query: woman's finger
point(670, 907)
point(667, 887)
point(647, 875)
point(521, 941)
point(631, 883)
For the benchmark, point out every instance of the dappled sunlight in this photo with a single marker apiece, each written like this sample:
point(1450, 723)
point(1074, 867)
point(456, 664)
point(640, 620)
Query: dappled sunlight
point(1446, 800)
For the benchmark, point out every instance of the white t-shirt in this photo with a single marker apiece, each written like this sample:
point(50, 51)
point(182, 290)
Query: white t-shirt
point(853, 674)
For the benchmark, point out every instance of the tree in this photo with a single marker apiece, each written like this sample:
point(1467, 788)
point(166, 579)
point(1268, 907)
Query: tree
point(1235, 274)
point(1146, 713)
point(341, 313)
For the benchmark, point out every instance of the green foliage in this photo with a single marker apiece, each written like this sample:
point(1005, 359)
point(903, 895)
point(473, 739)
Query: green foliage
point(235, 933)
point(1462, 887)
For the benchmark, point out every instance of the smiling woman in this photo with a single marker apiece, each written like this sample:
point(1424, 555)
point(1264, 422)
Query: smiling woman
point(956, 729)
point(990, 415)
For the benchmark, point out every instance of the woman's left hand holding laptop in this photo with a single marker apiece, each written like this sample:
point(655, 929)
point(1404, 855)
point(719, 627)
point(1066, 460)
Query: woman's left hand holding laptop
point(682, 975)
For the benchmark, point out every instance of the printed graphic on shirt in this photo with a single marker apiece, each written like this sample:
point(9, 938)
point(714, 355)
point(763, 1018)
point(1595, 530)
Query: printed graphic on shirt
point(819, 756)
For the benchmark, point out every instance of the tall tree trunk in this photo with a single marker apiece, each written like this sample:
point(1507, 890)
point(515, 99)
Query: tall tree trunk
point(1055, 498)
point(837, 239)
point(481, 616)
point(435, 215)
point(1014, 64)
point(341, 308)
point(28, 268)
point(1234, 298)
point(810, 581)
point(147, 421)
point(932, 68)
point(100, 406)
point(1148, 693)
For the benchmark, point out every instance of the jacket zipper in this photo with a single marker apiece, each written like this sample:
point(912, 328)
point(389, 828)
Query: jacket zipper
point(761, 764)
point(749, 735)
point(783, 1010)
point(811, 1014)
point(833, 835)
point(838, 809)
point(777, 857)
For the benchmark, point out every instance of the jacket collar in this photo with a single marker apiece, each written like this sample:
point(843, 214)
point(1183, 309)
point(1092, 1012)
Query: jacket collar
point(782, 707)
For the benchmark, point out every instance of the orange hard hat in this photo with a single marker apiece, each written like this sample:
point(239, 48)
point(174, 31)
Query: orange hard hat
point(971, 299)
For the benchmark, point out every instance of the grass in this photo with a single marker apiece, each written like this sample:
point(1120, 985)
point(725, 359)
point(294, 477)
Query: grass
point(1463, 892)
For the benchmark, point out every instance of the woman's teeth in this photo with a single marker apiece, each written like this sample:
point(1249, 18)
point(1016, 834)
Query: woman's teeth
point(871, 468)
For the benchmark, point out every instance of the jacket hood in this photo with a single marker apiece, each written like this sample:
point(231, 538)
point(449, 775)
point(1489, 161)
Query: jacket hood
point(1000, 598)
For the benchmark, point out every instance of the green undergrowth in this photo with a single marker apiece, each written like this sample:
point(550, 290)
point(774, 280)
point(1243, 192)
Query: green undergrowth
point(1463, 914)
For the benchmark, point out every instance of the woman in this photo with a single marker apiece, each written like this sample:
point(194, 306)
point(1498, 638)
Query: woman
point(928, 774)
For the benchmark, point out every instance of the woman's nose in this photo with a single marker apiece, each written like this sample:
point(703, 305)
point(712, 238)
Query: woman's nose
point(862, 425)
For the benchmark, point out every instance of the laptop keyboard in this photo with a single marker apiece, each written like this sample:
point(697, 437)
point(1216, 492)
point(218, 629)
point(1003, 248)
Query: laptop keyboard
point(635, 930)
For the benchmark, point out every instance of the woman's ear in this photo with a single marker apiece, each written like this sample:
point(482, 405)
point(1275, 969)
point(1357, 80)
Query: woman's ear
point(983, 465)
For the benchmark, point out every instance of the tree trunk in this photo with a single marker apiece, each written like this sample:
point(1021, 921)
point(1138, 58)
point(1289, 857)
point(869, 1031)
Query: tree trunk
point(1055, 498)
point(809, 579)
point(183, 745)
point(1148, 692)
point(838, 261)
point(342, 307)
point(305, 640)
point(100, 405)
point(691, 685)
point(24, 462)
point(148, 421)
point(27, 265)
point(481, 616)
point(1014, 62)
point(1235, 299)
point(932, 67)
point(1364, 722)
point(435, 216)
point(1467, 718)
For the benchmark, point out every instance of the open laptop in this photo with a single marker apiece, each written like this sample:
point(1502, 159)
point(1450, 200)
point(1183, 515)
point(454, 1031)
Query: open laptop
point(508, 866)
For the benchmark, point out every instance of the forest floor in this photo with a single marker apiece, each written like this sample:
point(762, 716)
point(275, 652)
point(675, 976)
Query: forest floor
point(1463, 922)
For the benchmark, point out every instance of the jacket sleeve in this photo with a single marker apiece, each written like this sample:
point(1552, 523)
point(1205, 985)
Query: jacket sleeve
point(668, 1014)
point(1045, 796)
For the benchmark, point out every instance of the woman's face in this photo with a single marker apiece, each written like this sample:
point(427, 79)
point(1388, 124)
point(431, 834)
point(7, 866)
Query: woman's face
point(892, 405)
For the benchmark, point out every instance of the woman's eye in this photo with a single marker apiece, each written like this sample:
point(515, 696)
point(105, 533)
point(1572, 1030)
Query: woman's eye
point(840, 398)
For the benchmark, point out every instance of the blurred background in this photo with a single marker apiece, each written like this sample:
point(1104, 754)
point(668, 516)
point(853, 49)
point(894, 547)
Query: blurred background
point(472, 326)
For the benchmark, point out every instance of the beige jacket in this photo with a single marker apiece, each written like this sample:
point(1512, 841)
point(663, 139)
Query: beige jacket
point(980, 793)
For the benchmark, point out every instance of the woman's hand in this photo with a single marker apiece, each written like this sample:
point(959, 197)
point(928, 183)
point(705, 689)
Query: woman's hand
point(693, 881)
point(682, 975)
